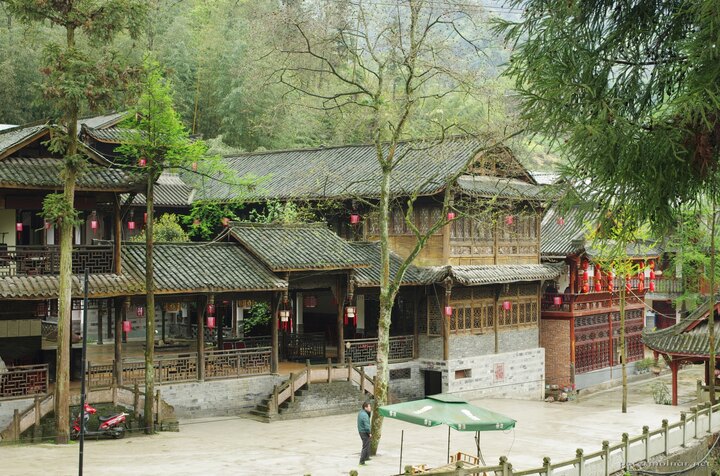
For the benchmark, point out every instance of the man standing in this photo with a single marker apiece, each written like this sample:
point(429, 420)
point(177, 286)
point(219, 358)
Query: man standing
point(363, 424)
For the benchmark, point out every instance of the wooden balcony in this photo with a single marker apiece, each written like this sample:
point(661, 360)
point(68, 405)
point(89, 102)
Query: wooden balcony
point(24, 260)
point(587, 303)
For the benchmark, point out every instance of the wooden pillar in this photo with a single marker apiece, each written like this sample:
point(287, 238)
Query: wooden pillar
point(275, 356)
point(110, 316)
point(162, 318)
point(674, 365)
point(709, 373)
point(416, 328)
point(219, 325)
point(446, 320)
point(100, 323)
point(201, 340)
point(573, 274)
point(341, 291)
point(118, 236)
point(121, 309)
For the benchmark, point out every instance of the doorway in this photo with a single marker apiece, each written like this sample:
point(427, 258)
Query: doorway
point(433, 382)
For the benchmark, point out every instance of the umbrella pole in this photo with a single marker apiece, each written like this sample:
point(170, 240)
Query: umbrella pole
point(448, 456)
point(402, 437)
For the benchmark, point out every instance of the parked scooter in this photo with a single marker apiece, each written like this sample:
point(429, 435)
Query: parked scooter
point(112, 426)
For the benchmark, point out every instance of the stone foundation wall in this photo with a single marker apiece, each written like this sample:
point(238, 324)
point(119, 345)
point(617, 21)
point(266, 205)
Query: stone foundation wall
point(218, 397)
point(406, 380)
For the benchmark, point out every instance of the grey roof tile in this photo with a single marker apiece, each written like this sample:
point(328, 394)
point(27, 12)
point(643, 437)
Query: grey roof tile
point(370, 276)
point(500, 274)
point(46, 287)
point(501, 187)
point(688, 337)
point(11, 138)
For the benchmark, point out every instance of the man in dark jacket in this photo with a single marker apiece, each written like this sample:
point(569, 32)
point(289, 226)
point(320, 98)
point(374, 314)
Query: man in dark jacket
point(363, 424)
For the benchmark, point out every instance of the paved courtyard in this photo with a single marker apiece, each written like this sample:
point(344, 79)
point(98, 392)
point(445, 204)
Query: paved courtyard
point(330, 445)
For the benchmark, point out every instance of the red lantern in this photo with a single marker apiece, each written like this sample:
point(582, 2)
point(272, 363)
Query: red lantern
point(611, 282)
point(451, 216)
point(225, 221)
point(196, 222)
point(509, 220)
point(598, 279)
point(140, 311)
point(652, 285)
point(142, 162)
point(194, 166)
point(126, 326)
point(506, 305)
point(48, 225)
point(93, 224)
point(561, 221)
point(557, 300)
point(211, 309)
point(211, 322)
point(131, 225)
point(145, 217)
point(585, 288)
point(641, 282)
point(586, 276)
point(652, 274)
point(354, 219)
point(19, 227)
point(585, 264)
point(627, 283)
point(351, 314)
point(651, 264)
point(448, 311)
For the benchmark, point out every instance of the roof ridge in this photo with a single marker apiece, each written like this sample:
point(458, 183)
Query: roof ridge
point(251, 224)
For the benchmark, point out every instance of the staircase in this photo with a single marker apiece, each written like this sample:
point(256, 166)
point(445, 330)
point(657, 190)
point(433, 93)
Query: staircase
point(316, 391)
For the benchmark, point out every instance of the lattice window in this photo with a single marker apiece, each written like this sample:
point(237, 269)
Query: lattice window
point(397, 222)
point(434, 317)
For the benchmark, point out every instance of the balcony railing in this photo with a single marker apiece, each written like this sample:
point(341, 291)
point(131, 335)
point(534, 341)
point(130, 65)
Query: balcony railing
point(24, 380)
point(570, 303)
point(365, 350)
point(22, 260)
point(668, 285)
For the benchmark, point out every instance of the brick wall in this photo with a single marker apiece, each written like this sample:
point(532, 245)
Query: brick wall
point(555, 338)
point(470, 345)
point(403, 389)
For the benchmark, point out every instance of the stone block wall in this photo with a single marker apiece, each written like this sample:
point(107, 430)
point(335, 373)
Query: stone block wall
point(555, 338)
point(430, 347)
point(469, 345)
point(218, 397)
point(406, 380)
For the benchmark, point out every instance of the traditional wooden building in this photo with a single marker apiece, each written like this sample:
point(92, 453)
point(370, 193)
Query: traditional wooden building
point(687, 342)
point(580, 325)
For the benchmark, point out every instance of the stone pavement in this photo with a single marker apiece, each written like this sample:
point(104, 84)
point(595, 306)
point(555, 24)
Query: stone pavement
point(330, 445)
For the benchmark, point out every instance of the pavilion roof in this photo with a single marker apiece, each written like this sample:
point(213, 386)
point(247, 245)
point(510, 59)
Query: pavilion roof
point(200, 267)
point(340, 172)
point(170, 191)
point(297, 247)
point(18, 137)
point(500, 187)
point(47, 286)
point(689, 337)
point(103, 121)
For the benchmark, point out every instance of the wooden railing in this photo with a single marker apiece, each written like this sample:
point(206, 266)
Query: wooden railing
point(668, 285)
point(24, 380)
point(585, 301)
point(697, 424)
point(48, 330)
point(175, 368)
point(22, 260)
point(320, 373)
point(302, 346)
point(365, 350)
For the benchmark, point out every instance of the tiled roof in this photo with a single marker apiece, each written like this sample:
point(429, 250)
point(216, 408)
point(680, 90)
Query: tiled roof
point(370, 277)
point(500, 274)
point(348, 171)
point(545, 178)
point(170, 191)
point(46, 287)
point(104, 121)
point(110, 135)
point(486, 186)
point(11, 138)
point(297, 247)
point(200, 267)
point(688, 337)
point(563, 234)
point(47, 173)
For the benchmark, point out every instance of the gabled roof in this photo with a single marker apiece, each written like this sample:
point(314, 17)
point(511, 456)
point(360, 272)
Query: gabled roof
point(689, 337)
point(501, 187)
point(47, 286)
point(501, 274)
point(370, 277)
point(563, 234)
point(200, 267)
point(11, 140)
point(170, 191)
point(103, 121)
point(110, 135)
point(347, 171)
point(297, 247)
point(46, 173)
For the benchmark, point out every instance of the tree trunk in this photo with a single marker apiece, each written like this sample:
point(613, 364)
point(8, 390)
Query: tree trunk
point(150, 305)
point(387, 297)
point(64, 338)
point(711, 308)
point(623, 353)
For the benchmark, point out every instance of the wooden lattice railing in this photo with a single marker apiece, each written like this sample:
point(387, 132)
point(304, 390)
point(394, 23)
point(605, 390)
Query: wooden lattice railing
point(365, 350)
point(221, 364)
point(24, 380)
point(25, 260)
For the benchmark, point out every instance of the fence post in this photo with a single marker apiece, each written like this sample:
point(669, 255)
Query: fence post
point(710, 409)
point(16, 424)
point(329, 369)
point(695, 413)
point(646, 440)
point(114, 395)
point(36, 427)
point(275, 399)
point(606, 456)
point(581, 461)
point(158, 410)
point(626, 451)
point(666, 432)
point(683, 421)
point(362, 381)
point(136, 400)
point(547, 466)
point(349, 367)
point(292, 387)
point(504, 465)
point(159, 373)
point(309, 371)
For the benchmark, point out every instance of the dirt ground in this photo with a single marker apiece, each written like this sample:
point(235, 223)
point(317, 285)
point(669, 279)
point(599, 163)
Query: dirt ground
point(330, 445)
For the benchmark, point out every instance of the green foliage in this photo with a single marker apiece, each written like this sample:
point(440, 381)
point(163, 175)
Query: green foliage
point(278, 212)
point(206, 219)
point(166, 229)
point(258, 315)
point(56, 209)
point(661, 393)
point(629, 93)
point(645, 364)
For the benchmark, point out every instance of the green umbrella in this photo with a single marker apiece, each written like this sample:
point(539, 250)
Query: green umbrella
point(445, 409)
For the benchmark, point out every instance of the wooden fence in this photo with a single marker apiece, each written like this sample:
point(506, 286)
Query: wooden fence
point(24, 380)
point(176, 368)
point(365, 350)
point(700, 422)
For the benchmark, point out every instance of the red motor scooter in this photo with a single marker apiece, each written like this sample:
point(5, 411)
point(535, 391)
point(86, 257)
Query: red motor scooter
point(112, 426)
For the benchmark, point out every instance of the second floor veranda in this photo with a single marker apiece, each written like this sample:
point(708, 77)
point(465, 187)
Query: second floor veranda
point(41, 260)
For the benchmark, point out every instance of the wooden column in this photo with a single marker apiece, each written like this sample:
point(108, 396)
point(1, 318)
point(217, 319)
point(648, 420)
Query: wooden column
point(674, 366)
point(573, 274)
point(118, 236)
point(162, 319)
point(275, 355)
point(121, 308)
point(110, 316)
point(100, 323)
point(201, 340)
point(708, 373)
point(446, 320)
point(341, 292)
